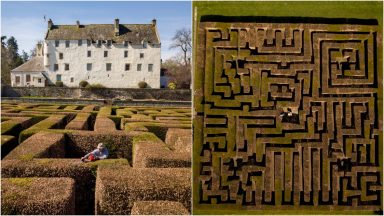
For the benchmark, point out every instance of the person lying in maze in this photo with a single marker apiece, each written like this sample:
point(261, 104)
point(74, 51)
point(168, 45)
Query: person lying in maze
point(100, 153)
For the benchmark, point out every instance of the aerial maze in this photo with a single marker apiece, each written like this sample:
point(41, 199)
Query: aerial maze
point(288, 115)
point(148, 170)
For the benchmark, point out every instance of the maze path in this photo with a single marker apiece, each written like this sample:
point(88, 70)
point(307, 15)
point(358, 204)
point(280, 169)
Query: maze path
point(288, 115)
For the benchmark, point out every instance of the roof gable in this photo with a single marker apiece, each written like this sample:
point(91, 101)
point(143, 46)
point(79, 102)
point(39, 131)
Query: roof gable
point(36, 64)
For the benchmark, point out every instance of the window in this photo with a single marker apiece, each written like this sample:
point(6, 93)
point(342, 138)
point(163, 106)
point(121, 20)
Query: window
point(126, 43)
point(61, 55)
point(125, 54)
point(138, 67)
point(58, 77)
point(89, 53)
point(141, 55)
point(105, 53)
point(28, 78)
point(144, 44)
point(89, 66)
point(67, 43)
point(39, 80)
point(55, 67)
point(98, 43)
point(66, 67)
point(109, 42)
point(47, 55)
point(80, 42)
point(109, 66)
point(17, 79)
point(89, 42)
point(72, 79)
point(57, 43)
point(150, 67)
point(127, 67)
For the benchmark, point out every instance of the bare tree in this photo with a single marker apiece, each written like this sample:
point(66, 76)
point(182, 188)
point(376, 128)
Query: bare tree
point(183, 40)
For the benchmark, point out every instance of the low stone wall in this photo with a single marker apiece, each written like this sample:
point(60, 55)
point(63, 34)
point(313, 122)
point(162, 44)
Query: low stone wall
point(105, 93)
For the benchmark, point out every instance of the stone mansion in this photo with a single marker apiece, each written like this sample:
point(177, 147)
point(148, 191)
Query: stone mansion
point(114, 55)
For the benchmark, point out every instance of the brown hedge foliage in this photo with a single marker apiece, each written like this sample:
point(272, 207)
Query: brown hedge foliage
point(158, 155)
point(84, 175)
point(158, 208)
point(40, 145)
point(104, 124)
point(118, 189)
point(179, 139)
point(38, 196)
point(119, 143)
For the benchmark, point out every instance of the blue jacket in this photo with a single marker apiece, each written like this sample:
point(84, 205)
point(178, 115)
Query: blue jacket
point(99, 154)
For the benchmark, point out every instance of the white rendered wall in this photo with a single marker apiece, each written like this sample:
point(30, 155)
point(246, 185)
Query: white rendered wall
point(76, 57)
point(23, 79)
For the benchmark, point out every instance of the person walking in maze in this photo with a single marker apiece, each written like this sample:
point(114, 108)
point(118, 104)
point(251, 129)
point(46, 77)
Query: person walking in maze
point(100, 153)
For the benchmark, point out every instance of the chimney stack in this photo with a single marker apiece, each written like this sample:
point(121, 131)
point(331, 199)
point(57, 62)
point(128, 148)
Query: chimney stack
point(154, 22)
point(117, 28)
point(39, 49)
point(50, 24)
point(78, 23)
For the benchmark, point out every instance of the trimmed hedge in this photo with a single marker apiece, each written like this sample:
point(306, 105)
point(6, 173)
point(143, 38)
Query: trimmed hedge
point(40, 145)
point(37, 196)
point(118, 189)
point(51, 122)
point(80, 122)
point(118, 143)
point(8, 143)
point(158, 208)
point(84, 175)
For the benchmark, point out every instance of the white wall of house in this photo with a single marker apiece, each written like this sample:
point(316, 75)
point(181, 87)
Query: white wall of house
point(77, 58)
point(20, 79)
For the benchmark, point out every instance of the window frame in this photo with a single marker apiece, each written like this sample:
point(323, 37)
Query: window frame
point(66, 66)
point(89, 53)
point(125, 53)
point(127, 65)
point(108, 66)
point(150, 67)
point(58, 80)
point(61, 55)
point(55, 67)
point(89, 68)
point(105, 53)
point(139, 67)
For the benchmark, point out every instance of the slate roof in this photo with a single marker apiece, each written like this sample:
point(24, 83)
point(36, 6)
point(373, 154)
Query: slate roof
point(36, 64)
point(133, 33)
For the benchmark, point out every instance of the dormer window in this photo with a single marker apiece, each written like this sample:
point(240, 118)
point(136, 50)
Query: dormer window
point(57, 43)
point(109, 42)
point(145, 44)
point(98, 43)
point(80, 42)
point(89, 42)
point(126, 43)
point(67, 43)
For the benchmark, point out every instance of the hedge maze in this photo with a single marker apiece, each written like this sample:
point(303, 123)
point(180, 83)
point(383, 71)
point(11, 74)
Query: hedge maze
point(147, 172)
point(288, 115)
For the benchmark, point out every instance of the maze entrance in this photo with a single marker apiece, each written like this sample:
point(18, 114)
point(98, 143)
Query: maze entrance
point(288, 115)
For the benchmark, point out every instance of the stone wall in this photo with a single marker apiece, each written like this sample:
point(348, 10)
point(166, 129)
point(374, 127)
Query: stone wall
point(107, 93)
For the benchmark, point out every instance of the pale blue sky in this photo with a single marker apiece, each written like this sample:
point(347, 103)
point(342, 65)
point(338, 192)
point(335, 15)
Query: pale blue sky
point(25, 20)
